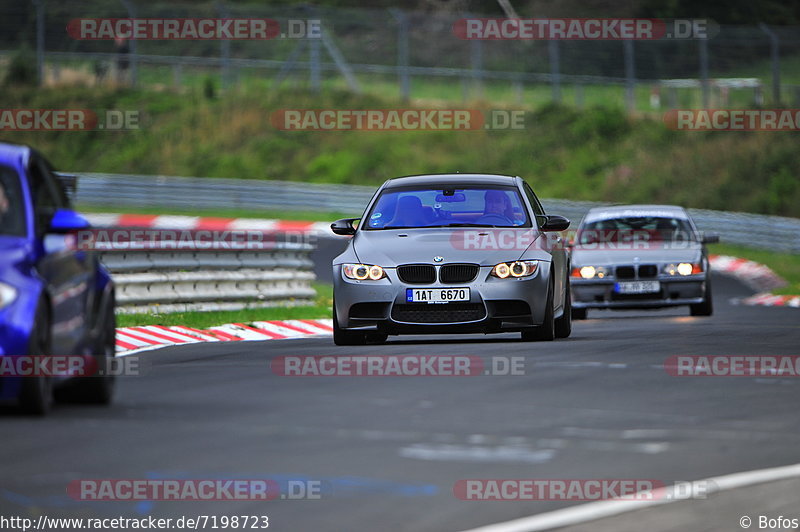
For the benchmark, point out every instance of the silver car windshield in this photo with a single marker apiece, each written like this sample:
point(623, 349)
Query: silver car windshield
point(639, 228)
point(407, 208)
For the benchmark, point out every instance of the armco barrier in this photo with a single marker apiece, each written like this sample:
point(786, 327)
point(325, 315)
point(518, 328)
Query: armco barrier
point(218, 279)
point(753, 230)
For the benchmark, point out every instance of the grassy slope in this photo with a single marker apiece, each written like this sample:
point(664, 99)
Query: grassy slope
point(595, 154)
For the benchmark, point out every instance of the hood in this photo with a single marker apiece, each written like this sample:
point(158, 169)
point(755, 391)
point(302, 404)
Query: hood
point(485, 247)
point(593, 256)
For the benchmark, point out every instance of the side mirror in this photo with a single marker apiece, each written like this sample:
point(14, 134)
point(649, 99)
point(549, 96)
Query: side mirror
point(710, 238)
point(555, 222)
point(67, 221)
point(344, 226)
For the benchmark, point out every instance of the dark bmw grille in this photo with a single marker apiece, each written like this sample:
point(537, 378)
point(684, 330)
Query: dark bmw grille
point(445, 313)
point(458, 273)
point(417, 273)
point(648, 271)
point(625, 272)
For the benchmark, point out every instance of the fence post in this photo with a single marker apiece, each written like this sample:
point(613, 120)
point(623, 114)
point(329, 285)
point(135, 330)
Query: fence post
point(579, 95)
point(774, 49)
point(40, 40)
point(225, 49)
point(402, 52)
point(704, 71)
point(630, 75)
point(132, 14)
point(555, 69)
point(476, 62)
point(314, 66)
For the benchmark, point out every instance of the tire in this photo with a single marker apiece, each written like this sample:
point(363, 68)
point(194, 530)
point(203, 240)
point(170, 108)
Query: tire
point(96, 389)
point(36, 397)
point(342, 337)
point(563, 325)
point(579, 313)
point(546, 331)
point(706, 308)
point(100, 389)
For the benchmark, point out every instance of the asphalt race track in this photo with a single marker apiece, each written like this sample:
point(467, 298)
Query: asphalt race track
point(388, 450)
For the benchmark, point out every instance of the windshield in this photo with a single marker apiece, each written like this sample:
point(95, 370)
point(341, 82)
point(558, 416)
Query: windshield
point(406, 208)
point(647, 228)
point(12, 213)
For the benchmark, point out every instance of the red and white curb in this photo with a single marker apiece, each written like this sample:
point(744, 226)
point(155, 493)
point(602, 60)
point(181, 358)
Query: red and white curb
point(205, 223)
point(135, 339)
point(757, 276)
point(771, 300)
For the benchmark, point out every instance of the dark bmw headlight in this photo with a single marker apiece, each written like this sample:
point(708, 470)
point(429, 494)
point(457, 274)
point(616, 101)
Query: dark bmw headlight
point(520, 268)
point(362, 272)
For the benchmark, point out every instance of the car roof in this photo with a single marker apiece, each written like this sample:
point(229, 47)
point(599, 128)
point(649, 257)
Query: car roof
point(627, 211)
point(451, 179)
point(11, 154)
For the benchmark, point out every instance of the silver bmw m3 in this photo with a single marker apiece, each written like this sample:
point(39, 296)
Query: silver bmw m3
point(640, 256)
point(451, 254)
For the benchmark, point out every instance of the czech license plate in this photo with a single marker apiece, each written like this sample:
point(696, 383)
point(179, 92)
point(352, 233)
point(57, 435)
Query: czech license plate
point(436, 295)
point(638, 287)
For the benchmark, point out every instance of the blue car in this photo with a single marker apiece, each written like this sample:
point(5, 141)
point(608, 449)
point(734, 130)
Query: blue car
point(55, 300)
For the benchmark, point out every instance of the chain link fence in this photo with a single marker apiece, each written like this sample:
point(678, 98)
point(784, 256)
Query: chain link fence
point(408, 54)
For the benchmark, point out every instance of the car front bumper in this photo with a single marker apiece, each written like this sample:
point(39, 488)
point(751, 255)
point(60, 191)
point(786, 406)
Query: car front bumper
point(495, 305)
point(592, 293)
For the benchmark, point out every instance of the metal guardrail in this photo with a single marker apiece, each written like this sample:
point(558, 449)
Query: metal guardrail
point(208, 193)
point(155, 281)
point(753, 230)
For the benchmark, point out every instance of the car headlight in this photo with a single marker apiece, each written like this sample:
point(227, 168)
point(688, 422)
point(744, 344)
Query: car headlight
point(590, 272)
point(520, 268)
point(7, 294)
point(362, 272)
point(684, 268)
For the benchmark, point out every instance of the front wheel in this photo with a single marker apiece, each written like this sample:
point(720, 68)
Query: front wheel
point(546, 332)
point(563, 325)
point(343, 337)
point(706, 308)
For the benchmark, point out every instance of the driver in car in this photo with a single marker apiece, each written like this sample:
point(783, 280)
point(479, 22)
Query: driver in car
point(498, 204)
